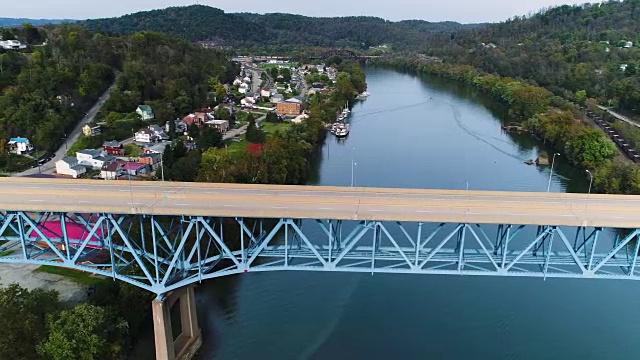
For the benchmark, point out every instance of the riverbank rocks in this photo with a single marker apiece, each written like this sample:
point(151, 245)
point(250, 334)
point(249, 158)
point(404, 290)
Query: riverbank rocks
point(542, 160)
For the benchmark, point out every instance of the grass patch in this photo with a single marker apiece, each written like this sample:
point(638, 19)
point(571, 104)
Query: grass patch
point(272, 128)
point(237, 146)
point(6, 253)
point(79, 277)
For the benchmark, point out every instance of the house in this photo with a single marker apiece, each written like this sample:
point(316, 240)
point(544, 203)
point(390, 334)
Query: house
point(248, 102)
point(114, 148)
point(93, 158)
point(277, 98)
point(112, 171)
point(136, 168)
point(221, 125)
point(153, 160)
point(157, 148)
point(197, 118)
point(300, 118)
point(243, 89)
point(180, 126)
point(69, 166)
point(265, 93)
point(145, 112)
point(159, 132)
point(292, 106)
point(19, 146)
point(145, 136)
point(237, 81)
point(12, 45)
point(88, 130)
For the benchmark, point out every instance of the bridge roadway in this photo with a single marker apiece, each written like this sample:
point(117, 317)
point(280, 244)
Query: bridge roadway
point(319, 202)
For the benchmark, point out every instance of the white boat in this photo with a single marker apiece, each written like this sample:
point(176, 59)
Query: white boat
point(334, 127)
point(342, 130)
point(363, 95)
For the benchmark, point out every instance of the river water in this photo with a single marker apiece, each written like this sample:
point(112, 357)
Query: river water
point(423, 133)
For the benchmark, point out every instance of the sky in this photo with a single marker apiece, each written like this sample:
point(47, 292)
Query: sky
point(466, 11)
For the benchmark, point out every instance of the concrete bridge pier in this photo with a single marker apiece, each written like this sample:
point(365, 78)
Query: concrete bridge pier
point(185, 345)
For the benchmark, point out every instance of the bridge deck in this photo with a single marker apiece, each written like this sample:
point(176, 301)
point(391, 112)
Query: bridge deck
point(316, 202)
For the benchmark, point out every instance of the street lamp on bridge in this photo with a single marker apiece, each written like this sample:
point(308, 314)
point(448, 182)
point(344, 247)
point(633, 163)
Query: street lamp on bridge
point(590, 181)
point(551, 173)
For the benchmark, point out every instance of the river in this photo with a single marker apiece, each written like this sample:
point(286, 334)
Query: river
point(423, 133)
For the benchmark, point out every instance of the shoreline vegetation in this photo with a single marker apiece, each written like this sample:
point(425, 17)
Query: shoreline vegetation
point(548, 117)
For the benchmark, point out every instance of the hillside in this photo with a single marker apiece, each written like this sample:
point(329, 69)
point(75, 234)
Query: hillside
point(11, 22)
point(244, 29)
point(568, 49)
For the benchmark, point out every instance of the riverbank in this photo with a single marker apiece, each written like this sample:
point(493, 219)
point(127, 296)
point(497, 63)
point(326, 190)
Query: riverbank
point(549, 117)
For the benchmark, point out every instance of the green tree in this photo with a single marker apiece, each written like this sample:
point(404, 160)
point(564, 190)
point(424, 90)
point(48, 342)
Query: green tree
point(85, 332)
point(286, 74)
point(210, 137)
point(590, 148)
point(23, 320)
point(274, 73)
point(272, 117)
point(253, 134)
point(194, 131)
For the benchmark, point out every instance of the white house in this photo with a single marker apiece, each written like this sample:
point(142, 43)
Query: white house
point(243, 89)
point(248, 101)
point(93, 158)
point(112, 170)
point(145, 136)
point(20, 145)
point(265, 93)
point(237, 81)
point(221, 125)
point(69, 166)
point(145, 112)
point(12, 45)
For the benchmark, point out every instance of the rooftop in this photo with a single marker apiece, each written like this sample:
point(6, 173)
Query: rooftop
point(92, 152)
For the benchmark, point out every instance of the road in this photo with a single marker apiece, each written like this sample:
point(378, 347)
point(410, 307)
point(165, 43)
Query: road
point(319, 202)
point(241, 130)
point(619, 116)
point(50, 166)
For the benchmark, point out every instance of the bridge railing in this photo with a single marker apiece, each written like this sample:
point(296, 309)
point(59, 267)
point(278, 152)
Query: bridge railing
point(164, 253)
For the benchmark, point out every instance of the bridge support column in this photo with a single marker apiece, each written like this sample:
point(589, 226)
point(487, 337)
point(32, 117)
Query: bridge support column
point(185, 345)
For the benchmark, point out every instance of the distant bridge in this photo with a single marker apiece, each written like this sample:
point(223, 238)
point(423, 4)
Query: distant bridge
point(343, 54)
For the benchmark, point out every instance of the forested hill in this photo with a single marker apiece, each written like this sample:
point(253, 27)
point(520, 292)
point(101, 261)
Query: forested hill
point(568, 49)
point(199, 22)
point(12, 22)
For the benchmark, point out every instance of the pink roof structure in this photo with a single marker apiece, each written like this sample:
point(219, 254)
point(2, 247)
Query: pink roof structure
point(133, 166)
point(77, 233)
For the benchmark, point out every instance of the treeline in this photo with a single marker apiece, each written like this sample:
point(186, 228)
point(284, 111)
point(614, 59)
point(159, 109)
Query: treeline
point(45, 92)
point(38, 326)
point(171, 75)
point(550, 117)
point(276, 32)
point(566, 49)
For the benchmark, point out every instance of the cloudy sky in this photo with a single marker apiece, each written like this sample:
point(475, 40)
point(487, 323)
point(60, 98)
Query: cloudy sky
point(467, 11)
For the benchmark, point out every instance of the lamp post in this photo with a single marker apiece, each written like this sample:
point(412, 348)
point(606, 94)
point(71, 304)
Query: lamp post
point(64, 136)
point(591, 180)
point(551, 173)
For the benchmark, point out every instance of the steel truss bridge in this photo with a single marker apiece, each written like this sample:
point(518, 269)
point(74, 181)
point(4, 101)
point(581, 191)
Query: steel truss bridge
point(149, 242)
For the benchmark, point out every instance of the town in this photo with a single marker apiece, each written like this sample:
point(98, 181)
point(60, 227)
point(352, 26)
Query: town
point(272, 92)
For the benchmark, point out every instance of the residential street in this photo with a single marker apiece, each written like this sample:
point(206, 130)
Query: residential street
point(241, 130)
point(49, 167)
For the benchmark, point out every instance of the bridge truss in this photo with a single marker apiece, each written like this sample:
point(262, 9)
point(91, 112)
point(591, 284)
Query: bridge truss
point(164, 253)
